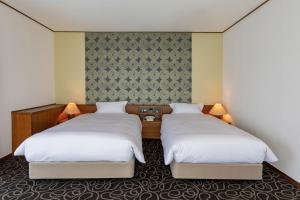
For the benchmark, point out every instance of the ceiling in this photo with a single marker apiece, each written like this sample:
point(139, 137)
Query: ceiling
point(136, 15)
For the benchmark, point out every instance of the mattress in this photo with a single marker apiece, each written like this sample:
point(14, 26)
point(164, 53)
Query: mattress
point(88, 137)
point(199, 138)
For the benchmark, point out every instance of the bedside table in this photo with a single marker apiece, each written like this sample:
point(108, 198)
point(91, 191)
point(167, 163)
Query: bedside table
point(151, 129)
point(27, 122)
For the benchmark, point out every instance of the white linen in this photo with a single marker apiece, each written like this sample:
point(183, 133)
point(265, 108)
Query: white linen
point(111, 107)
point(88, 137)
point(186, 108)
point(194, 138)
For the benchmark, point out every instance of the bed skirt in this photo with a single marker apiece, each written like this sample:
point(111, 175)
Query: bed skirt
point(216, 171)
point(81, 170)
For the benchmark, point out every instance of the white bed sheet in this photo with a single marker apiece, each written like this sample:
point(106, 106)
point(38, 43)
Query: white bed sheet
point(199, 138)
point(88, 137)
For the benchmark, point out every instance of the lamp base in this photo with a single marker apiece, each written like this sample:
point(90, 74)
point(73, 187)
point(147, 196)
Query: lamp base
point(71, 116)
point(218, 116)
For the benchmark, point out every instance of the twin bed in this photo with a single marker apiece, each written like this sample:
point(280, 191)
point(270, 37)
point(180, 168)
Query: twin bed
point(105, 145)
point(204, 147)
point(98, 145)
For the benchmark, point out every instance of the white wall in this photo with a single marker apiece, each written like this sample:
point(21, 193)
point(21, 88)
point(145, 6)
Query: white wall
point(26, 68)
point(261, 79)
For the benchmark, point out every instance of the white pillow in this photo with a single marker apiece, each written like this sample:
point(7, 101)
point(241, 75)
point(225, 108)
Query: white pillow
point(111, 107)
point(186, 108)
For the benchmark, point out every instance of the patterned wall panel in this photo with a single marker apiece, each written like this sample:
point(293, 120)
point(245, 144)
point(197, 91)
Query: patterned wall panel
point(138, 67)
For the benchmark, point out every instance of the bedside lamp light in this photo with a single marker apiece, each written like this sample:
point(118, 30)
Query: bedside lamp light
point(71, 110)
point(217, 110)
point(227, 118)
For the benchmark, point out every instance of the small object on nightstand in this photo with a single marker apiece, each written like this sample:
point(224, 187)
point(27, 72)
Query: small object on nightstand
point(71, 110)
point(218, 110)
point(149, 118)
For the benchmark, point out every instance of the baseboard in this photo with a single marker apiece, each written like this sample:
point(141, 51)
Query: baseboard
point(290, 179)
point(5, 157)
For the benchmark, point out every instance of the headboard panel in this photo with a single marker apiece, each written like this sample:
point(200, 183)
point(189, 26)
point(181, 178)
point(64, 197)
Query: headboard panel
point(134, 108)
point(140, 66)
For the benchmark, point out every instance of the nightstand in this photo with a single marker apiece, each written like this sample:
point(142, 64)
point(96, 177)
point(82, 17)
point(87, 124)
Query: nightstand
point(27, 122)
point(151, 129)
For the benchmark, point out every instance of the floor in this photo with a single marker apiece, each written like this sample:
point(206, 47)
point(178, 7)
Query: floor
point(152, 181)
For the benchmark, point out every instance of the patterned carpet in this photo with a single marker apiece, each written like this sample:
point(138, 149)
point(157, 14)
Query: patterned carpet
point(152, 181)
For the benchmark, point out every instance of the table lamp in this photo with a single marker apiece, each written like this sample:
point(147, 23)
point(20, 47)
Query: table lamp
point(217, 110)
point(227, 118)
point(71, 110)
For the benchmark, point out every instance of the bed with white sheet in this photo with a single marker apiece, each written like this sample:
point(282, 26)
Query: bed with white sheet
point(201, 146)
point(95, 145)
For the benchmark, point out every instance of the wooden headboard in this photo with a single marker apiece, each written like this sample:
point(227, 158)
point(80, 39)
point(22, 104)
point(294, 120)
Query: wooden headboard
point(134, 108)
point(29, 121)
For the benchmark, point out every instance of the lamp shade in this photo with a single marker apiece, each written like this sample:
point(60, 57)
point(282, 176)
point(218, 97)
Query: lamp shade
point(71, 109)
point(217, 110)
point(227, 118)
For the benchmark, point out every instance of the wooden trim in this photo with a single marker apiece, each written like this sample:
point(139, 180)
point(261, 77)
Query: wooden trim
point(76, 31)
point(246, 15)
point(133, 108)
point(138, 31)
point(22, 13)
point(6, 157)
point(52, 104)
point(290, 179)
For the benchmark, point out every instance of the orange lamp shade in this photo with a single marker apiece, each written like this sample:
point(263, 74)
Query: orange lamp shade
point(72, 109)
point(218, 110)
point(227, 118)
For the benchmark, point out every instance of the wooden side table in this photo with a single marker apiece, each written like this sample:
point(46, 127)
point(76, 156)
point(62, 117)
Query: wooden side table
point(27, 122)
point(151, 129)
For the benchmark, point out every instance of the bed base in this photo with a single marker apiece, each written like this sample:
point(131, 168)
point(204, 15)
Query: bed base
point(216, 171)
point(80, 170)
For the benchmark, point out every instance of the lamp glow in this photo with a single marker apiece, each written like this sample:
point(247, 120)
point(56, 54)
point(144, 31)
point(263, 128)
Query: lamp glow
point(71, 110)
point(218, 110)
point(227, 118)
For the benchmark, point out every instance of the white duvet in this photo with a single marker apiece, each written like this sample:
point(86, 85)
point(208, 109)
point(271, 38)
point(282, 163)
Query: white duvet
point(199, 138)
point(88, 137)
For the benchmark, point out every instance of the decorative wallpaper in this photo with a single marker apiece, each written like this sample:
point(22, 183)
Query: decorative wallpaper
point(138, 67)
